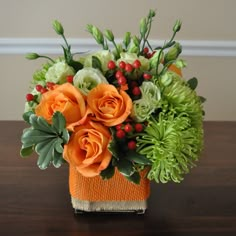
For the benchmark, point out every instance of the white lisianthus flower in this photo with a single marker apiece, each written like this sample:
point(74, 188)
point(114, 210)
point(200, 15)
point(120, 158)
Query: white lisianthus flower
point(141, 110)
point(129, 57)
point(87, 79)
point(58, 73)
point(151, 92)
point(104, 57)
point(148, 103)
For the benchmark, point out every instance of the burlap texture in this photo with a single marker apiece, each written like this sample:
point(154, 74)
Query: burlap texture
point(118, 188)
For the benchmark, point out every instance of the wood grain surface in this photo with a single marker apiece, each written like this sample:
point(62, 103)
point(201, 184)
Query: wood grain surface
point(36, 202)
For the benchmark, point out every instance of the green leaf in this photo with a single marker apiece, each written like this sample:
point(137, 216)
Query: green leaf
point(96, 63)
point(113, 147)
point(193, 83)
point(108, 172)
point(26, 151)
point(43, 125)
point(65, 136)
point(125, 167)
point(27, 115)
point(46, 153)
point(33, 136)
point(202, 99)
point(137, 158)
point(58, 145)
point(58, 121)
point(57, 159)
point(135, 178)
point(76, 65)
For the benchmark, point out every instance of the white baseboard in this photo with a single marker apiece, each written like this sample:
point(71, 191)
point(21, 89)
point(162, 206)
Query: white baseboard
point(15, 46)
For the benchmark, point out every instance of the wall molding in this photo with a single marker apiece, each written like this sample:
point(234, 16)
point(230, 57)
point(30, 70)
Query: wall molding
point(16, 46)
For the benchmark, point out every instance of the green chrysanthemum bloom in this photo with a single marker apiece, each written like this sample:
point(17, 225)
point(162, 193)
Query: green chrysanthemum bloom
point(179, 98)
point(58, 72)
point(172, 144)
point(39, 75)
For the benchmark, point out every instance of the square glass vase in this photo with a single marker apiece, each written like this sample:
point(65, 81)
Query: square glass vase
point(115, 195)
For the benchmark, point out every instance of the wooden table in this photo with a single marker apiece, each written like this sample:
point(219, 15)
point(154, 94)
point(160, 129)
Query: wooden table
point(36, 202)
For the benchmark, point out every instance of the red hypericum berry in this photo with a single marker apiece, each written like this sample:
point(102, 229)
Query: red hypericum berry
point(136, 64)
point(43, 90)
point(136, 91)
point(120, 134)
point(128, 67)
point(138, 127)
point(38, 87)
point(50, 85)
point(118, 74)
point(29, 97)
point(145, 50)
point(69, 78)
point(149, 55)
point(132, 145)
point(111, 65)
point(118, 127)
point(122, 80)
point(122, 65)
point(147, 76)
point(128, 128)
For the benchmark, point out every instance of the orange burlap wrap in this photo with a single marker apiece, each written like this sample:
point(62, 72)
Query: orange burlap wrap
point(117, 193)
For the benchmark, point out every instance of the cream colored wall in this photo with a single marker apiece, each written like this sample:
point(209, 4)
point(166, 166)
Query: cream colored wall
point(202, 20)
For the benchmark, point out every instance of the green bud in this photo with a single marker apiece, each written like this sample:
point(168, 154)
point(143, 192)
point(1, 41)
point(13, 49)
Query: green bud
point(166, 79)
point(151, 13)
point(143, 27)
point(133, 49)
point(90, 28)
point(136, 41)
point(177, 26)
point(32, 56)
point(173, 53)
point(109, 35)
point(58, 27)
point(97, 34)
point(127, 39)
point(180, 63)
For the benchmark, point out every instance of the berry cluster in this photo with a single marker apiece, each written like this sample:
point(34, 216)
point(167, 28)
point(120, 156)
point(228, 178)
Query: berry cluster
point(126, 131)
point(43, 89)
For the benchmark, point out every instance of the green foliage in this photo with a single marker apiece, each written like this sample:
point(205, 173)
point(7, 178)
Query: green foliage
point(172, 145)
point(128, 162)
point(193, 82)
point(96, 63)
point(45, 139)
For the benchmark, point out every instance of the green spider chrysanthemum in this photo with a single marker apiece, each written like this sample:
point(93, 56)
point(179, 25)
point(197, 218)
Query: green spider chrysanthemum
point(178, 97)
point(172, 144)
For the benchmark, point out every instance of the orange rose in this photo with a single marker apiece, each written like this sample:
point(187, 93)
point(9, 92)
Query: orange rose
point(88, 150)
point(108, 105)
point(64, 98)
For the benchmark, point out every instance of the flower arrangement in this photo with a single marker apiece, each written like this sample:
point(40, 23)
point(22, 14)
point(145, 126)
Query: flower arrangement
point(125, 107)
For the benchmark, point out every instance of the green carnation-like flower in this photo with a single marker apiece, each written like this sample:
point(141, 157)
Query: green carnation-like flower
point(148, 103)
point(150, 91)
point(172, 145)
point(142, 109)
point(179, 98)
point(87, 79)
point(104, 57)
point(39, 75)
point(58, 72)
